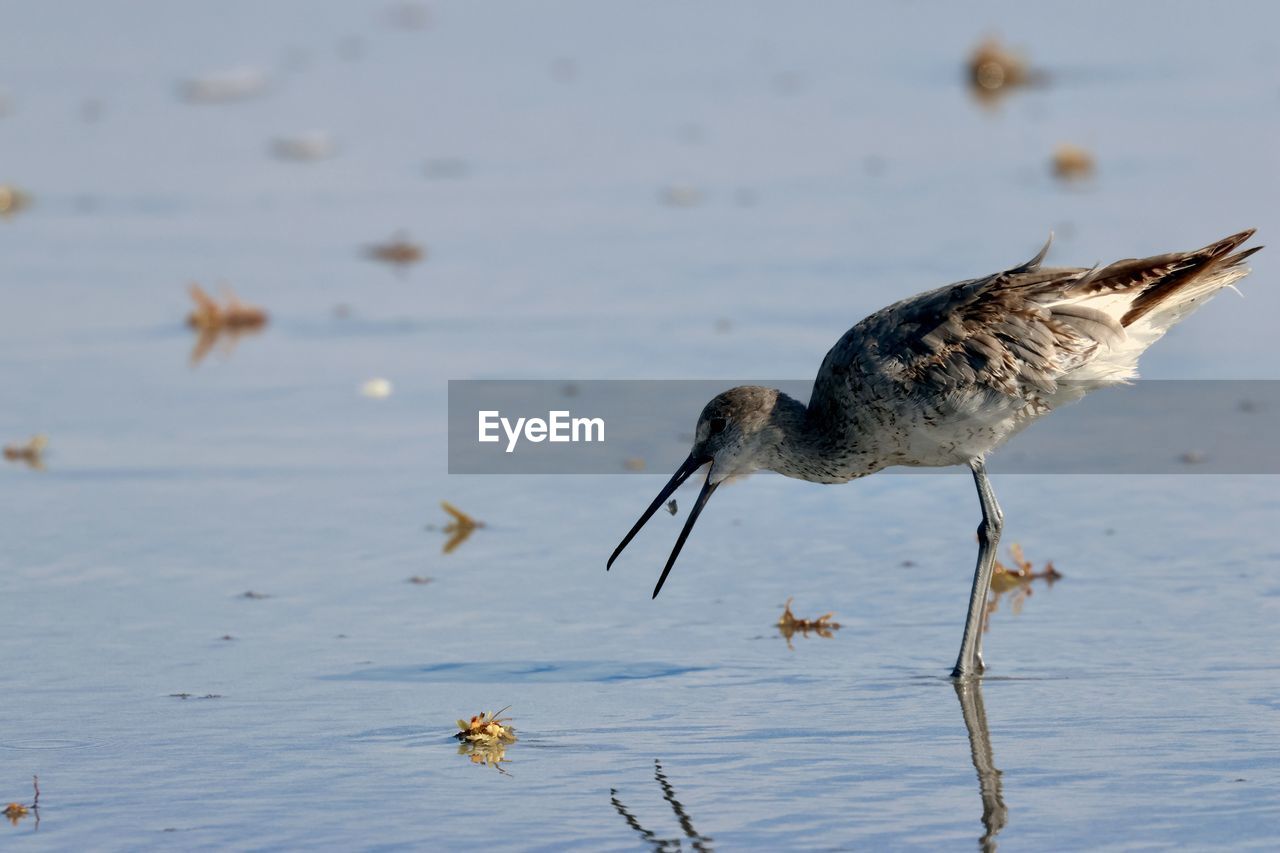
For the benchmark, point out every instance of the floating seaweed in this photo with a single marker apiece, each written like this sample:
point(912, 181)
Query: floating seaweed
point(994, 70)
point(487, 727)
point(485, 738)
point(15, 812)
point(399, 251)
point(32, 452)
point(789, 625)
point(1071, 163)
point(227, 321)
point(460, 528)
point(12, 200)
point(1016, 579)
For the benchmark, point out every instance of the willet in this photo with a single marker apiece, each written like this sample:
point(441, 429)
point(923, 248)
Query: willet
point(945, 377)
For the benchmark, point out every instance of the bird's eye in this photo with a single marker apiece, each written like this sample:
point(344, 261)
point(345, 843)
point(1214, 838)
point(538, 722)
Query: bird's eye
point(717, 425)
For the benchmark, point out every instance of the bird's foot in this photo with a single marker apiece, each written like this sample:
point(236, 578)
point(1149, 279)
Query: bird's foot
point(963, 672)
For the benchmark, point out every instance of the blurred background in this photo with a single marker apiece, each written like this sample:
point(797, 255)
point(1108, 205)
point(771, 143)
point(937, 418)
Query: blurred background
point(236, 495)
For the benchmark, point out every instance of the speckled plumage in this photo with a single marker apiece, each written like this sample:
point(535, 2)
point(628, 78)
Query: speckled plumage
point(944, 377)
point(948, 375)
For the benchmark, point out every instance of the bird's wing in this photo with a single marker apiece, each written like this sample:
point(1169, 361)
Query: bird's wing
point(1017, 332)
point(997, 333)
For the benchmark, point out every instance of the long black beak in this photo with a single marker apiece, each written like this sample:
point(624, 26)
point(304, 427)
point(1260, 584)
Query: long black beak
point(683, 473)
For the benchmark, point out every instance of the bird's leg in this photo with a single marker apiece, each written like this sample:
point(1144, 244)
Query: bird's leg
point(969, 662)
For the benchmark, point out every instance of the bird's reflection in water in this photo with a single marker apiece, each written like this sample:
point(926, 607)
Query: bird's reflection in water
point(696, 840)
point(994, 813)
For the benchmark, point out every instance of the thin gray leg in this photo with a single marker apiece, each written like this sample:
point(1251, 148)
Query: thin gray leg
point(969, 662)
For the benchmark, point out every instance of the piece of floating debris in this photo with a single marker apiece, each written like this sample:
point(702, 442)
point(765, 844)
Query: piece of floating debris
point(672, 507)
point(420, 580)
point(994, 70)
point(232, 314)
point(377, 389)
point(1022, 571)
point(487, 728)
point(12, 200)
point(1071, 163)
point(233, 84)
point(305, 147)
point(32, 452)
point(213, 321)
point(1016, 579)
point(253, 596)
point(485, 738)
point(634, 463)
point(399, 251)
point(1192, 457)
point(17, 811)
point(789, 625)
point(194, 696)
point(460, 528)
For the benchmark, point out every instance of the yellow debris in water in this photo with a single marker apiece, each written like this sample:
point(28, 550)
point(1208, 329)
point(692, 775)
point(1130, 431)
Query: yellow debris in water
point(460, 528)
point(1071, 162)
point(12, 200)
point(31, 452)
point(487, 728)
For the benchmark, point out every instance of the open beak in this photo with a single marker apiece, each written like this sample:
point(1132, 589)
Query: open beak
point(683, 473)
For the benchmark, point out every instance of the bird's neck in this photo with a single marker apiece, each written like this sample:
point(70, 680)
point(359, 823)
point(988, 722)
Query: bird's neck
point(811, 448)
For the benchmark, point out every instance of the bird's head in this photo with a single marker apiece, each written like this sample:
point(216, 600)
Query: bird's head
point(738, 432)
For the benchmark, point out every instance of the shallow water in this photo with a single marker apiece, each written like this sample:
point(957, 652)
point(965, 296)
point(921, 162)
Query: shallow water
point(1133, 703)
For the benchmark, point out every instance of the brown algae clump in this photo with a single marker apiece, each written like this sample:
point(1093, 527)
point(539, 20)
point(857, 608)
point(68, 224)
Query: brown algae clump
point(789, 625)
point(459, 528)
point(32, 452)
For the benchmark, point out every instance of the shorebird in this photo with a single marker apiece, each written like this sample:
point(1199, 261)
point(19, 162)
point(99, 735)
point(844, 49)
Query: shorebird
point(944, 377)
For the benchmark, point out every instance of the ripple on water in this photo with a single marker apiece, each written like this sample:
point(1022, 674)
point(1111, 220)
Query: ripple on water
point(50, 743)
point(522, 671)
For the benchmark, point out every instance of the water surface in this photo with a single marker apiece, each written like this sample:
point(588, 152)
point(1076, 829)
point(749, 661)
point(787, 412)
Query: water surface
point(840, 166)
